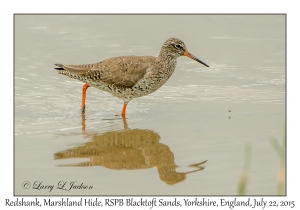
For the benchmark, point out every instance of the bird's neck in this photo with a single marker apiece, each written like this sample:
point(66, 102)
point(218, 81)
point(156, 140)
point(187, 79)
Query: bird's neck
point(166, 58)
point(167, 63)
point(165, 55)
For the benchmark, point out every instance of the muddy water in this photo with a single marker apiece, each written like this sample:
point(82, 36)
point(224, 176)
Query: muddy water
point(188, 138)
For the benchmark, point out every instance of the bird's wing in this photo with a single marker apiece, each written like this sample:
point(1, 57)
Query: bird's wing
point(120, 71)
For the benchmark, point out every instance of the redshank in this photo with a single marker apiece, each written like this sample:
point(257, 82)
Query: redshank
point(129, 77)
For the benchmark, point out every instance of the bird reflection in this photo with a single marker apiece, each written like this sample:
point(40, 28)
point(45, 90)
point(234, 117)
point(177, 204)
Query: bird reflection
point(128, 149)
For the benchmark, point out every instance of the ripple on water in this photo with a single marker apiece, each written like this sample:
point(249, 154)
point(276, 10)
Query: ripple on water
point(244, 93)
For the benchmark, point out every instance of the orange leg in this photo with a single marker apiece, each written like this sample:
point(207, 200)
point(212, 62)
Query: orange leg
point(84, 88)
point(124, 122)
point(83, 123)
point(124, 110)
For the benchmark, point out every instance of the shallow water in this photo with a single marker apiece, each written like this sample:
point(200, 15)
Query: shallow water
point(201, 114)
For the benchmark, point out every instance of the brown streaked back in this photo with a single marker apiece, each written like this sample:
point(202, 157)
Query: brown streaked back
point(120, 71)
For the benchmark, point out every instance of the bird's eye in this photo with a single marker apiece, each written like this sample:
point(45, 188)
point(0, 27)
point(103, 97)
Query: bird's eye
point(178, 46)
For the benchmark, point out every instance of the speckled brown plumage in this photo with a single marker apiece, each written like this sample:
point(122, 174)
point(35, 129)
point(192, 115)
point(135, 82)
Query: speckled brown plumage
point(129, 77)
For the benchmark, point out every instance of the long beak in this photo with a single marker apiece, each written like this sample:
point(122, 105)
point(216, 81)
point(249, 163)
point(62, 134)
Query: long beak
point(186, 53)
